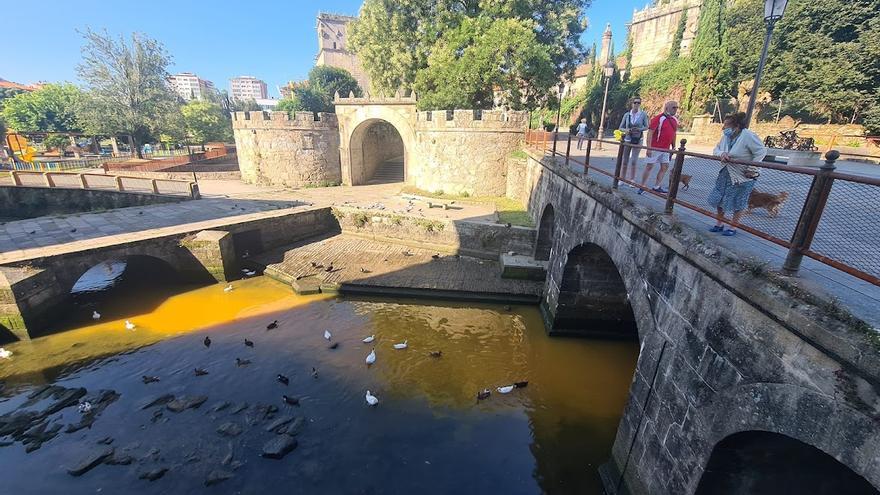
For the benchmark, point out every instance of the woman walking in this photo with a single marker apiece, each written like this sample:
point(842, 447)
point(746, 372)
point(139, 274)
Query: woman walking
point(735, 181)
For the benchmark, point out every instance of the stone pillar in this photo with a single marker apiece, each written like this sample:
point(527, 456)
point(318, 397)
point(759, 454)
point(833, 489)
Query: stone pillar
point(114, 145)
point(29, 297)
point(215, 251)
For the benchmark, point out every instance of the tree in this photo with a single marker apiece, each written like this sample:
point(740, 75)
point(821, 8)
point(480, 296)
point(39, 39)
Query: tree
point(249, 105)
point(128, 89)
point(399, 40)
point(205, 121)
point(710, 63)
point(56, 141)
point(675, 50)
point(327, 81)
point(51, 108)
point(304, 99)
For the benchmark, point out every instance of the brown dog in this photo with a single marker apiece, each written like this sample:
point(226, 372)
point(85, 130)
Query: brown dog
point(685, 181)
point(769, 201)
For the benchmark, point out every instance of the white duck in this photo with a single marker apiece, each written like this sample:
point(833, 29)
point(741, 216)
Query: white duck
point(371, 399)
point(506, 389)
point(250, 273)
point(369, 339)
point(371, 357)
point(327, 334)
point(129, 325)
point(4, 354)
point(228, 288)
point(96, 315)
point(400, 346)
point(84, 407)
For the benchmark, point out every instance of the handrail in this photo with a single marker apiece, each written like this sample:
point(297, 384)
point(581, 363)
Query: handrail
point(119, 182)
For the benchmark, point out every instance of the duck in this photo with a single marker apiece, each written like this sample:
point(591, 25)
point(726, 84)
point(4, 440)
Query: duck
point(329, 268)
point(290, 401)
point(401, 346)
point(84, 407)
point(508, 309)
point(333, 345)
point(435, 256)
point(327, 334)
point(248, 343)
point(372, 400)
point(250, 273)
point(149, 379)
point(484, 394)
point(520, 384)
point(200, 371)
point(369, 339)
point(207, 341)
point(314, 373)
point(5, 354)
point(242, 362)
point(129, 325)
point(282, 379)
point(371, 357)
point(96, 315)
point(436, 354)
point(364, 270)
point(506, 389)
point(228, 288)
point(272, 326)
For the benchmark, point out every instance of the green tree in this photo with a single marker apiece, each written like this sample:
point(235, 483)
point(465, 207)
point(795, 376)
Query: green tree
point(128, 89)
point(710, 63)
point(249, 105)
point(327, 81)
point(675, 50)
point(56, 141)
point(51, 108)
point(304, 99)
point(206, 121)
point(399, 39)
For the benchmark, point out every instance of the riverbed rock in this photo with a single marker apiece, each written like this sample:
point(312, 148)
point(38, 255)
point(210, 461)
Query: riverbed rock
point(105, 441)
point(220, 406)
point(279, 447)
point(230, 454)
point(239, 408)
point(217, 476)
point(186, 402)
point(294, 427)
point(119, 459)
point(99, 402)
point(229, 429)
point(157, 401)
point(69, 397)
point(279, 422)
point(153, 474)
point(90, 461)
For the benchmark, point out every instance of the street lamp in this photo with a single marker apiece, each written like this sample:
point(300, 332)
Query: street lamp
point(558, 116)
point(607, 71)
point(773, 10)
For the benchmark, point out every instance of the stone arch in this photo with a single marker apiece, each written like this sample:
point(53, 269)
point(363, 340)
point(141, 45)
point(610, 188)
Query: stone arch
point(376, 151)
point(593, 298)
point(400, 115)
point(814, 419)
point(760, 462)
point(546, 231)
point(159, 267)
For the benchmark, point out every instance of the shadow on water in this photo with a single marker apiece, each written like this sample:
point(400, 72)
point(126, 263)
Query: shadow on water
point(428, 434)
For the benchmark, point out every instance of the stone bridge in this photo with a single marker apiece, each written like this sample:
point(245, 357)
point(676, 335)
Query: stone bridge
point(738, 382)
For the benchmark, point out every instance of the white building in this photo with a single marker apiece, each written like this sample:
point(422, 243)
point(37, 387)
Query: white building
point(191, 87)
point(247, 88)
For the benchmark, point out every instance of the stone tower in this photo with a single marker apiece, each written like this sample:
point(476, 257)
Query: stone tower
point(653, 28)
point(605, 54)
point(333, 47)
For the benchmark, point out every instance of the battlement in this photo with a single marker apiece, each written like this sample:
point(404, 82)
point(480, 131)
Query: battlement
point(330, 16)
point(275, 120)
point(399, 98)
point(654, 11)
point(472, 119)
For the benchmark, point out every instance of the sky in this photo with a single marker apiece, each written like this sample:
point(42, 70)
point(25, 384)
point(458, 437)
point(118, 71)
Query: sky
point(274, 40)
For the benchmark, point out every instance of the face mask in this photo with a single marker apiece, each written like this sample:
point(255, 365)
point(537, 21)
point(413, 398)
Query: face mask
point(728, 132)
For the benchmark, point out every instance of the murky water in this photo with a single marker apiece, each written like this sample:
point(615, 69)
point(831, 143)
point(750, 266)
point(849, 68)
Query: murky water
point(428, 434)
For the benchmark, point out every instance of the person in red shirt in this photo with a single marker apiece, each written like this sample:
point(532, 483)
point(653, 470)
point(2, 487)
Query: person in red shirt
point(661, 134)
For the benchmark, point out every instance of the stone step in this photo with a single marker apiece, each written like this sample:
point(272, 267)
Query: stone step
point(522, 267)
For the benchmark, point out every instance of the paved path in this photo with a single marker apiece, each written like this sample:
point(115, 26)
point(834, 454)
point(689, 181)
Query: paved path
point(389, 266)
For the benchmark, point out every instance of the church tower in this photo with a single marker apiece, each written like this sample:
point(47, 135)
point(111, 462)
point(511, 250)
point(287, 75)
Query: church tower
point(605, 54)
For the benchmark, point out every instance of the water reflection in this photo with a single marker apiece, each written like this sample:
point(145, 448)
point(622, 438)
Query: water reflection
point(429, 434)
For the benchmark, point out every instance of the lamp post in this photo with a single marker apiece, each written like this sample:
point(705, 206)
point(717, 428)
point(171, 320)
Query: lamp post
point(773, 10)
point(607, 71)
point(558, 117)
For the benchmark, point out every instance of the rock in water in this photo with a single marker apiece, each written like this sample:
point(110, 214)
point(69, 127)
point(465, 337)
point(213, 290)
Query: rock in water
point(294, 427)
point(183, 403)
point(283, 420)
point(279, 446)
point(158, 401)
point(119, 459)
point(153, 474)
point(217, 476)
point(90, 461)
point(229, 429)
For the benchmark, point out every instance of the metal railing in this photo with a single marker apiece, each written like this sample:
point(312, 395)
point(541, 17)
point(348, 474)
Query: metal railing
point(143, 185)
point(820, 213)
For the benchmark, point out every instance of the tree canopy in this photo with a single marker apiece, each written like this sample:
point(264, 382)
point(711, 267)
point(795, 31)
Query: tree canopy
point(456, 52)
point(318, 92)
point(51, 108)
point(206, 121)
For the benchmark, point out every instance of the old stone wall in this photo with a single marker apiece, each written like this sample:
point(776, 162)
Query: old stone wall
point(722, 350)
point(653, 28)
point(704, 131)
point(468, 152)
point(30, 202)
point(274, 149)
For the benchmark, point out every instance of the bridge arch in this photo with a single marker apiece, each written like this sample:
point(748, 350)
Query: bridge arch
point(376, 147)
point(546, 231)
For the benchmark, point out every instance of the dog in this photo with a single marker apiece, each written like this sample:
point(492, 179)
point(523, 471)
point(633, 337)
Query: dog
point(685, 181)
point(769, 201)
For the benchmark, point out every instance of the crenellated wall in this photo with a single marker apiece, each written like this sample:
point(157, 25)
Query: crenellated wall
point(275, 149)
point(653, 30)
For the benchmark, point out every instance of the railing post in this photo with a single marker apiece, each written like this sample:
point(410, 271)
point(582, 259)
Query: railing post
point(49, 181)
point(568, 150)
point(194, 190)
point(15, 178)
point(555, 138)
point(82, 181)
point(811, 214)
point(155, 186)
point(119, 186)
point(675, 177)
point(618, 165)
point(587, 156)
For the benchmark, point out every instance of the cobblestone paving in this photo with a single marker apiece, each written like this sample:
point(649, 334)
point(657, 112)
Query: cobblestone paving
point(389, 265)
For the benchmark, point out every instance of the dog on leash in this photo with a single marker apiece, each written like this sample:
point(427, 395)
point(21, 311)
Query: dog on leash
point(685, 180)
point(771, 202)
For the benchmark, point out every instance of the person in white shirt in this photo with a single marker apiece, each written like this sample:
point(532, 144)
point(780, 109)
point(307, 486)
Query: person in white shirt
point(735, 180)
point(582, 132)
point(634, 124)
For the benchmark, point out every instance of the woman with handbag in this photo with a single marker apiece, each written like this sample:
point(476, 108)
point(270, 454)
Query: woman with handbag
point(735, 180)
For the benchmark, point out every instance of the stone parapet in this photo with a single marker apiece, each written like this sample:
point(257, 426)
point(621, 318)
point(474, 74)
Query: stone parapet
point(472, 120)
point(283, 120)
point(400, 98)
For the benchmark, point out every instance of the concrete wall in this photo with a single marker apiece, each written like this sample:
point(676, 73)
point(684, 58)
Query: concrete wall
point(722, 350)
point(29, 202)
point(653, 29)
point(274, 149)
point(704, 131)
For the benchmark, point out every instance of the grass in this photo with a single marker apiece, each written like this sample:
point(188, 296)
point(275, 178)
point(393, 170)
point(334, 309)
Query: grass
point(509, 210)
point(520, 154)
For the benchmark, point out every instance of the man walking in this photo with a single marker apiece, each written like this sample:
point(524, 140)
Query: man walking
point(661, 134)
point(633, 125)
point(582, 132)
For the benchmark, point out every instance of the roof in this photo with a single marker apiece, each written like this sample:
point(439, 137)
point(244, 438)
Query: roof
point(12, 85)
point(583, 70)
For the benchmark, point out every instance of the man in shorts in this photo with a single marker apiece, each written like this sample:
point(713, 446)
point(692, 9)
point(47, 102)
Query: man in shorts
point(661, 134)
point(582, 132)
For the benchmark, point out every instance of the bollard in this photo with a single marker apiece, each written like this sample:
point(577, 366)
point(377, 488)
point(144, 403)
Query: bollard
point(811, 214)
point(618, 165)
point(675, 177)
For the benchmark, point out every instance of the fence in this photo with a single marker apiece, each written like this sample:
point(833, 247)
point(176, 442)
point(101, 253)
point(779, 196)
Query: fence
point(167, 187)
point(156, 165)
point(829, 216)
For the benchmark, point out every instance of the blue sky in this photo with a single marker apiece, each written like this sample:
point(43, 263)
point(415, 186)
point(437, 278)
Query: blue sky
point(274, 40)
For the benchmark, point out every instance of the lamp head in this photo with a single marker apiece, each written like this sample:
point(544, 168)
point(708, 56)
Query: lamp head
point(773, 9)
point(609, 69)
